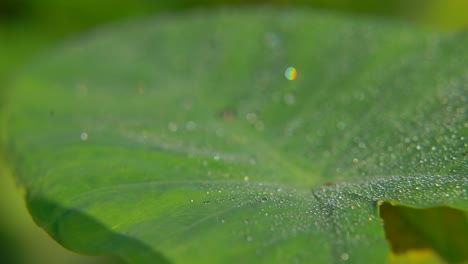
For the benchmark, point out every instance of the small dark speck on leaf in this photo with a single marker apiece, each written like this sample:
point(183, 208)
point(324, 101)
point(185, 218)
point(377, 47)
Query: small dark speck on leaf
point(227, 114)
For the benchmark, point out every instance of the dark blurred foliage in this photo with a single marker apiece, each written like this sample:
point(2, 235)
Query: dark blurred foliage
point(87, 11)
point(12, 9)
point(9, 248)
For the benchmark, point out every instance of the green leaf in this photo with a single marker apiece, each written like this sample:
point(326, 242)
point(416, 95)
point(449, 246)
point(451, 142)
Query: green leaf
point(407, 228)
point(179, 138)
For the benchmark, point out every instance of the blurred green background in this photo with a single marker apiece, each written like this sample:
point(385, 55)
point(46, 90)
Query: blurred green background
point(29, 26)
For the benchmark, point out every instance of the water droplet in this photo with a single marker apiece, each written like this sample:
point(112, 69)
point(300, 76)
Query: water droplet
point(344, 256)
point(251, 117)
point(259, 125)
point(172, 126)
point(219, 132)
point(272, 40)
point(82, 89)
point(84, 136)
point(190, 126)
point(290, 99)
point(341, 125)
point(290, 73)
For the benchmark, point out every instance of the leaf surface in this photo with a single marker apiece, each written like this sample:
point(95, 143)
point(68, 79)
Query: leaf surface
point(180, 139)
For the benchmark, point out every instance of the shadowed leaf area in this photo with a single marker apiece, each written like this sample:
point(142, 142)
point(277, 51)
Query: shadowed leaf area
point(442, 229)
point(87, 233)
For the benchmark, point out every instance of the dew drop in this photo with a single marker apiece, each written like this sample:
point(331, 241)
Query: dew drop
point(190, 126)
point(82, 89)
point(272, 40)
point(290, 99)
point(290, 73)
point(84, 136)
point(251, 117)
point(219, 132)
point(341, 125)
point(259, 125)
point(172, 127)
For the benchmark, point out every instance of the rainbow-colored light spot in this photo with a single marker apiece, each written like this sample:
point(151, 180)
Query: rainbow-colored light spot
point(290, 73)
